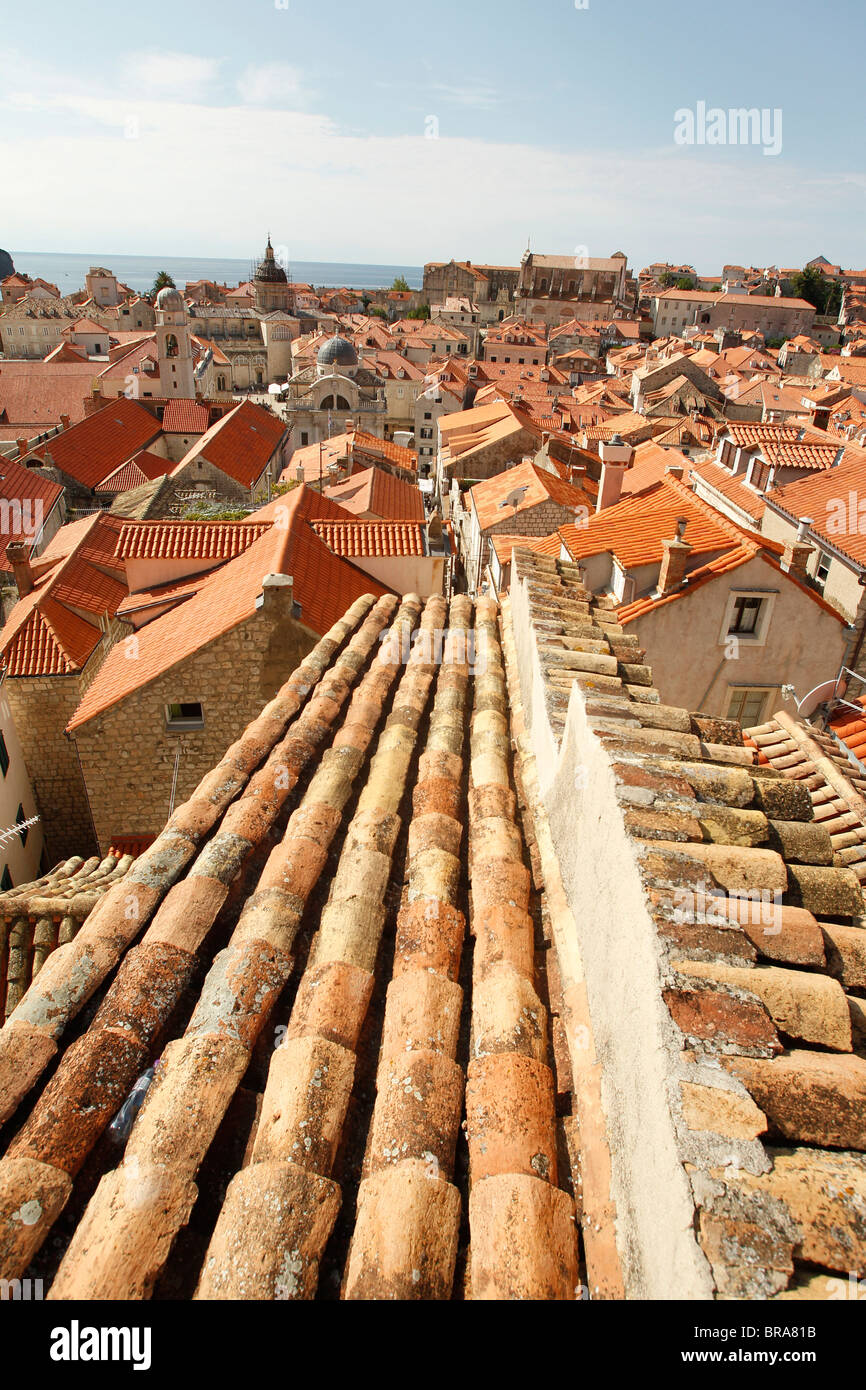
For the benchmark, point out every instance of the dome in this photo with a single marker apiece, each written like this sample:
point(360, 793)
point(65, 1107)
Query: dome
point(270, 269)
point(337, 352)
point(169, 298)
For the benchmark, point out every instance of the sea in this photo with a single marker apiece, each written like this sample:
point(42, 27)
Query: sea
point(67, 271)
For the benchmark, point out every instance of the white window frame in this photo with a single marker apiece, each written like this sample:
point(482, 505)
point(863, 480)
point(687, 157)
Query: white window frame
point(757, 638)
point(766, 690)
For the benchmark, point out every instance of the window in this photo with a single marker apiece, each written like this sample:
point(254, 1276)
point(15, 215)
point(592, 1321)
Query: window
point(428, 415)
point(4, 755)
point(745, 615)
point(747, 703)
point(6, 881)
point(305, 437)
point(822, 569)
point(19, 818)
point(186, 714)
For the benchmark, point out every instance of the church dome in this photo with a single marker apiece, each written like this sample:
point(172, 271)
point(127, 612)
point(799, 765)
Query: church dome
point(337, 352)
point(169, 298)
point(270, 269)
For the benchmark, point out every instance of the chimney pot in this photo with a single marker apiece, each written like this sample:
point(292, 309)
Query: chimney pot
point(64, 422)
point(22, 447)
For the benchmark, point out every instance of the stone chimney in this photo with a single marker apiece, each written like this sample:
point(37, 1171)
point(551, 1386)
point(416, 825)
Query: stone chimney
point(797, 553)
point(675, 470)
point(17, 553)
point(616, 458)
point(277, 596)
point(434, 531)
point(64, 422)
point(675, 557)
point(22, 447)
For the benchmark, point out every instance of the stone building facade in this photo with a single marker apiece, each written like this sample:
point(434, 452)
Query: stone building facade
point(41, 708)
point(128, 755)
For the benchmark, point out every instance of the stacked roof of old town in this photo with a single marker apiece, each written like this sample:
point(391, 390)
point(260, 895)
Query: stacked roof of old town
point(412, 690)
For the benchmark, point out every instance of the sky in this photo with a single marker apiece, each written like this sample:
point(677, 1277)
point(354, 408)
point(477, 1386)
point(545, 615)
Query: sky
point(392, 132)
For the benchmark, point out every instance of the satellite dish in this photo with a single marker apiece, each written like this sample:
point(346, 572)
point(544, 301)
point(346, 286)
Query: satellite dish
point(816, 697)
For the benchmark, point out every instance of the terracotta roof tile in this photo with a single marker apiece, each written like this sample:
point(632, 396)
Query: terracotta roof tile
point(531, 486)
point(43, 635)
point(324, 585)
point(93, 449)
point(185, 417)
point(371, 538)
point(188, 540)
point(241, 444)
point(374, 490)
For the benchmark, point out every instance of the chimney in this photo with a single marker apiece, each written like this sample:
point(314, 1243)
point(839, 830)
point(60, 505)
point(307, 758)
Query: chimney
point(616, 458)
point(17, 553)
point(277, 596)
point(434, 531)
point(798, 552)
point(64, 422)
point(674, 560)
point(22, 447)
point(675, 470)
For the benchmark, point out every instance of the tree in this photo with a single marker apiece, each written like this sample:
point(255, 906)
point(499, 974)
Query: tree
point(810, 284)
point(162, 279)
point(685, 282)
point(401, 283)
point(422, 312)
point(667, 280)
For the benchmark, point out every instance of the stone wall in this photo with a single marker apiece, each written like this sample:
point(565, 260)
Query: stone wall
point(493, 458)
point(42, 707)
point(128, 755)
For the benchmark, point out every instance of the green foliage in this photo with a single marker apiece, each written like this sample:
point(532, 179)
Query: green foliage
point(811, 285)
point(775, 343)
point(401, 283)
point(667, 280)
point(422, 312)
point(162, 279)
point(213, 513)
point(378, 313)
point(685, 282)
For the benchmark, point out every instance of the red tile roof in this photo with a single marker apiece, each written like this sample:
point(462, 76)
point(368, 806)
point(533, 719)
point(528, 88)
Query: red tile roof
point(850, 728)
point(374, 490)
point(35, 394)
point(635, 527)
point(185, 417)
point(534, 484)
point(93, 449)
point(241, 444)
point(188, 540)
point(733, 487)
point(25, 497)
point(325, 584)
point(827, 498)
point(153, 465)
point(371, 538)
point(43, 635)
point(127, 476)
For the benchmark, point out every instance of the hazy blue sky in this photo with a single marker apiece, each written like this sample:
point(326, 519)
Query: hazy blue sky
point(186, 128)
